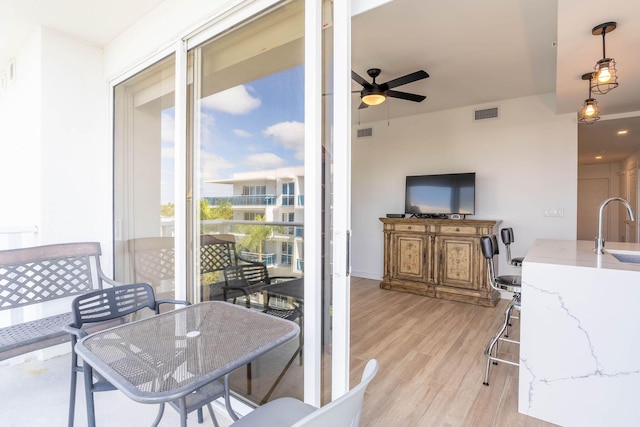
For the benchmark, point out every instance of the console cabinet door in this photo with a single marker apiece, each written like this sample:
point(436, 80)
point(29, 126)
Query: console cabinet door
point(458, 262)
point(411, 254)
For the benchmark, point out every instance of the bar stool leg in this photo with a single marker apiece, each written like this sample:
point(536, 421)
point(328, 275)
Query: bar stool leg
point(493, 344)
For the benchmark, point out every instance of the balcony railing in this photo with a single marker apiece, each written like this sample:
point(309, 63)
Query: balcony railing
point(254, 200)
point(285, 259)
point(267, 259)
point(18, 237)
point(234, 227)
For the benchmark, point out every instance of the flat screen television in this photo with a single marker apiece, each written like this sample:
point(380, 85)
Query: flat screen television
point(440, 195)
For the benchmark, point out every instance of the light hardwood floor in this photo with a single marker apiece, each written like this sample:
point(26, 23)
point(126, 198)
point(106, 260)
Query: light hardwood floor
point(431, 361)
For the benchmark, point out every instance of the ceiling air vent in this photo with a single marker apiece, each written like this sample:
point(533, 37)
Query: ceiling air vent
point(487, 113)
point(364, 133)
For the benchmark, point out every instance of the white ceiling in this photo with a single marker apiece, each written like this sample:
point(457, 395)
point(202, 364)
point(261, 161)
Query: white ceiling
point(476, 52)
point(97, 22)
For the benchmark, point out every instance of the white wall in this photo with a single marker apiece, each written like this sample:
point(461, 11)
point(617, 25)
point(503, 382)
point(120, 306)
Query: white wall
point(76, 201)
point(525, 162)
point(55, 151)
point(20, 140)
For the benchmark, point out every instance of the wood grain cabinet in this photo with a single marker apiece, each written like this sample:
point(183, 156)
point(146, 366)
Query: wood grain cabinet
point(438, 258)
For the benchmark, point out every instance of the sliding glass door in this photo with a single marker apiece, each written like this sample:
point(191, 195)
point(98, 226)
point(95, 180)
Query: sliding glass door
point(144, 196)
point(246, 169)
point(230, 140)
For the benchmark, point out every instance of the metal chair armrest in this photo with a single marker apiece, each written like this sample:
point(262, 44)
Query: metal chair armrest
point(170, 301)
point(79, 333)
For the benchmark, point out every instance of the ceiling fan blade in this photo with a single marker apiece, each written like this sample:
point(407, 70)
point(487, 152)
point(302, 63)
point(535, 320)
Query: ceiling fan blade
point(404, 95)
point(331, 93)
point(362, 105)
point(418, 75)
point(360, 80)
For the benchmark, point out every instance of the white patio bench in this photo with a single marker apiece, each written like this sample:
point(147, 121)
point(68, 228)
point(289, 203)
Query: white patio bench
point(40, 275)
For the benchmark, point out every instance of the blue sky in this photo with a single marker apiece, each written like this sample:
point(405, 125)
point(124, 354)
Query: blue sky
point(254, 126)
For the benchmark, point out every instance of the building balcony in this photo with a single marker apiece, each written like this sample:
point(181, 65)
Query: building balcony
point(255, 200)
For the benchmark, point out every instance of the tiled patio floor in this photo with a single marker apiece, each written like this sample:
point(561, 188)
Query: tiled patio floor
point(36, 394)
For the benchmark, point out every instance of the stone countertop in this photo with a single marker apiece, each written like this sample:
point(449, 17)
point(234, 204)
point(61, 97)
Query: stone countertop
point(579, 335)
point(580, 253)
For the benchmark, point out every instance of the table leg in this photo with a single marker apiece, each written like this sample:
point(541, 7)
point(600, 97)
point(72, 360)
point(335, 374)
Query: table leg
point(159, 416)
point(227, 399)
point(88, 393)
point(183, 412)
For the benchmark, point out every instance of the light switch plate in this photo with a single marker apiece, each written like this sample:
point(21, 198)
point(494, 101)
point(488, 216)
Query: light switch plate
point(554, 212)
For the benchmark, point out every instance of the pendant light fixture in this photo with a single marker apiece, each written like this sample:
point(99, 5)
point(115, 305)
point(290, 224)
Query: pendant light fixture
point(605, 76)
point(589, 111)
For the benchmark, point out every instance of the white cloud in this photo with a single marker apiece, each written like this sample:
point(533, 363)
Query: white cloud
point(242, 133)
point(290, 135)
point(264, 161)
point(167, 127)
point(236, 100)
point(207, 129)
point(212, 166)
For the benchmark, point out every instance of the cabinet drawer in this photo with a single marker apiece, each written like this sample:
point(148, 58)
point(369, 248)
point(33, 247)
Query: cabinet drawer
point(418, 228)
point(448, 229)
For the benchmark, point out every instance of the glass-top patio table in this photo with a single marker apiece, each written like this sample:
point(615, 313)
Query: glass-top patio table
point(169, 356)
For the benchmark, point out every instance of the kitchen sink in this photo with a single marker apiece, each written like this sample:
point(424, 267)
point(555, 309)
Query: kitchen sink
point(632, 257)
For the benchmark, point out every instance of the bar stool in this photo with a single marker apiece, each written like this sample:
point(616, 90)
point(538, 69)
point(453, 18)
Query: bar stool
point(507, 238)
point(509, 283)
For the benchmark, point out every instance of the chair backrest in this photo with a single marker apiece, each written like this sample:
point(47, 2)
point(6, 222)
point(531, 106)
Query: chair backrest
point(112, 303)
point(152, 259)
point(489, 246)
point(246, 275)
point(216, 253)
point(507, 238)
point(346, 410)
point(42, 273)
point(507, 235)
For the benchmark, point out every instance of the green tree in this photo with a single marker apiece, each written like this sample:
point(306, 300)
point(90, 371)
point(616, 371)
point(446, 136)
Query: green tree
point(255, 235)
point(168, 210)
point(206, 211)
point(224, 210)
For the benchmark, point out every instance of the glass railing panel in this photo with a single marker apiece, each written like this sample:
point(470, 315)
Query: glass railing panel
point(285, 259)
point(252, 200)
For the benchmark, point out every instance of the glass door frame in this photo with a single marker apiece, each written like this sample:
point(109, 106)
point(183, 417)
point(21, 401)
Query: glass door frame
point(237, 13)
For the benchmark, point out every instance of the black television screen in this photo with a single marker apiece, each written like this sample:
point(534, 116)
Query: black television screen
point(441, 194)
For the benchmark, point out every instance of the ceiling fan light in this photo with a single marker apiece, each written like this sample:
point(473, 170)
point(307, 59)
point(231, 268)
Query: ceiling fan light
point(374, 98)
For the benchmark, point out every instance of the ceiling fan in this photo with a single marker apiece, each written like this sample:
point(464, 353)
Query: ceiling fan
point(376, 93)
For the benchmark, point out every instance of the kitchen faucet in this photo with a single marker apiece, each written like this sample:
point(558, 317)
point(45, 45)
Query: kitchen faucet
point(600, 239)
